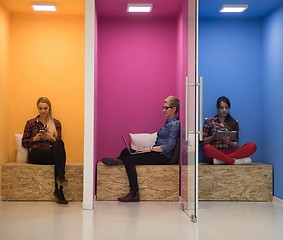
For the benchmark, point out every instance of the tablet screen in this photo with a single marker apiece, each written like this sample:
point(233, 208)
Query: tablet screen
point(232, 134)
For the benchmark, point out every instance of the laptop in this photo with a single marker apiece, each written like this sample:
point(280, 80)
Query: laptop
point(133, 153)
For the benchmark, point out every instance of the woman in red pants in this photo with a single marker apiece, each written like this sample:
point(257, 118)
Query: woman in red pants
point(224, 149)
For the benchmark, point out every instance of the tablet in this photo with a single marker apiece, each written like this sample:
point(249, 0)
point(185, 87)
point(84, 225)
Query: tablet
point(231, 134)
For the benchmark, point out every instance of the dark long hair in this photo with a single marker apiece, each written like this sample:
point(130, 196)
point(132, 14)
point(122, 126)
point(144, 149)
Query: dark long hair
point(229, 122)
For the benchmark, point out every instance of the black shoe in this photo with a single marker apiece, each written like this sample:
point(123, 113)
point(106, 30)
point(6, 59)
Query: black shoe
point(112, 161)
point(130, 197)
point(59, 196)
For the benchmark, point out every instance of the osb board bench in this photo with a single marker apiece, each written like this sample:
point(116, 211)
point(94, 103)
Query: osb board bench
point(252, 182)
point(156, 182)
point(30, 182)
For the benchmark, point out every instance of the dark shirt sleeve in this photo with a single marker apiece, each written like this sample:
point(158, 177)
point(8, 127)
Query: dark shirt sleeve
point(27, 136)
point(207, 128)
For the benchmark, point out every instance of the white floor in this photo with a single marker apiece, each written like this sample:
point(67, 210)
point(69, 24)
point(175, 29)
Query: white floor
point(140, 221)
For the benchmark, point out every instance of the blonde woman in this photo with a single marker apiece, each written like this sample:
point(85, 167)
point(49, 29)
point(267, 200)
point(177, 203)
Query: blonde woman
point(160, 153)
point(42, 136)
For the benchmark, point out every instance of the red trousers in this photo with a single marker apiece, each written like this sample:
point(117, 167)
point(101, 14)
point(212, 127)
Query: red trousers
point(229, 156)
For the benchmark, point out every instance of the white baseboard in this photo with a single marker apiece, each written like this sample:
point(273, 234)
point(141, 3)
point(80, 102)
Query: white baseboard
point(278, 201)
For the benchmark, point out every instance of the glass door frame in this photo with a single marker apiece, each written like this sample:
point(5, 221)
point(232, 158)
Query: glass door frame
point(190, 139)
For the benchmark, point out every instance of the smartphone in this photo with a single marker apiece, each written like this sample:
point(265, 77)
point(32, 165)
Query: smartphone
point(42, 131)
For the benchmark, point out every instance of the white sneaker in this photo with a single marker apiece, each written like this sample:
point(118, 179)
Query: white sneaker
point(243, 161)
point(218, 162)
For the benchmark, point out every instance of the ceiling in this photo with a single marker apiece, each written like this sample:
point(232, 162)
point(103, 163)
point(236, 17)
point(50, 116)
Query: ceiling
point(103, 7)
point(207, 8)
point(119, 7)
point(257, 8)
point(64, 7)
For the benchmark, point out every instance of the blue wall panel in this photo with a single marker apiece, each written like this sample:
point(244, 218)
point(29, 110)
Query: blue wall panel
point(272, 95)
point(230, 60)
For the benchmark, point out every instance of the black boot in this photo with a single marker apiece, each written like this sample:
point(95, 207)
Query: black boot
point(59, 196)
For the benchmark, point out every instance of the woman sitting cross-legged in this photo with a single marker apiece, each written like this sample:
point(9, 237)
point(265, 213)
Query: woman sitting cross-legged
point(223, 149)
point(160, 153)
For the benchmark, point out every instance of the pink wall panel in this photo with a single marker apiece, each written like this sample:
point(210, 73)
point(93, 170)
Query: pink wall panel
point(95, 100)
point(137, 70)
point(180, 56)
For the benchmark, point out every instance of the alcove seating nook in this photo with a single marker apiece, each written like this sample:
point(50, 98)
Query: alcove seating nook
point(156, 182)
point(31, 182)
point(22, 181)
point(251, 182)
point(223, 182)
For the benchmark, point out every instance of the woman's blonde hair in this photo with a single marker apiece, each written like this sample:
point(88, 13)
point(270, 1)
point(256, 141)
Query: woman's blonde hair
point(50, 126)
point(173, 102)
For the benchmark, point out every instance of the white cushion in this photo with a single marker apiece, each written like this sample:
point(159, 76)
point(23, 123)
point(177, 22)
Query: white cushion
point(22, 153)
point(141, 140)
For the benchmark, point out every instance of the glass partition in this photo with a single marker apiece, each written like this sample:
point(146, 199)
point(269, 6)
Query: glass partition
point(189, 159)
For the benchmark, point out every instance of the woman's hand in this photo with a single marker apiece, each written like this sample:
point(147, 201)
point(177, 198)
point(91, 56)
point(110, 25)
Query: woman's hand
point(207, 140)
point(44, 136)
point(225, 138)
point(37, 137)
point(148, 149)
point(48, 136)
point(213, 134)
point(144, 149)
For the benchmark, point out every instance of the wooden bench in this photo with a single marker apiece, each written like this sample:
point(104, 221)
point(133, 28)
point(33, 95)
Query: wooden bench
point(252, 182)
point(156, 182)
point(30, 182)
